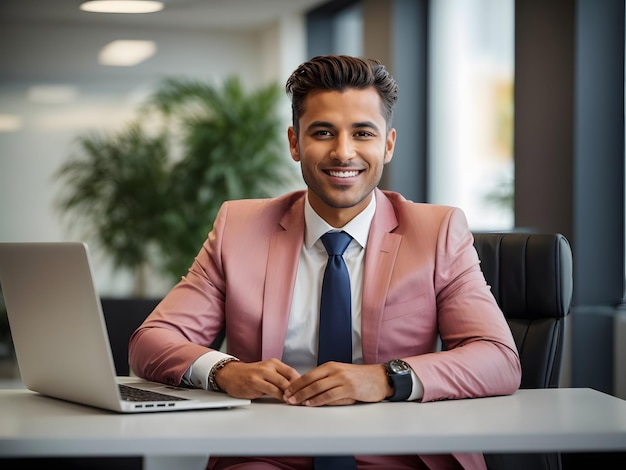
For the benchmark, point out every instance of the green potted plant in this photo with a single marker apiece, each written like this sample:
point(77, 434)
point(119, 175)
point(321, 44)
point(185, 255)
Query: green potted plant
point(148, 199)
point(232, 148)
point(115, 187)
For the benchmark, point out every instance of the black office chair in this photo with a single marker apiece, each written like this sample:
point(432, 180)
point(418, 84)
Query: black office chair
point(530, 275)
point(122, 318)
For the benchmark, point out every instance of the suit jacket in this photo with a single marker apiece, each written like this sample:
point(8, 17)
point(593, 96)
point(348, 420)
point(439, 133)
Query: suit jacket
point(422, 281)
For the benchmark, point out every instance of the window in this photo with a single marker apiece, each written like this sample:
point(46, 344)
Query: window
point(470, 86)
point(471, 109)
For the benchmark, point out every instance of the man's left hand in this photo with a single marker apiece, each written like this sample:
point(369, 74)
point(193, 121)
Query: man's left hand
point(336, 383)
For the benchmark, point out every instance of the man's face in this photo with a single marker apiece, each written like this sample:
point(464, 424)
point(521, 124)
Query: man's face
point(342, 147)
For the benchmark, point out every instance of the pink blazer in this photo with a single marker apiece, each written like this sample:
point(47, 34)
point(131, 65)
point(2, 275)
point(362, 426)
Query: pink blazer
point(422, 279)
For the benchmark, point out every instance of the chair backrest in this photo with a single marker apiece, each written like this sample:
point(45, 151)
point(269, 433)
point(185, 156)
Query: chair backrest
point(122, 317)
point(531, 277)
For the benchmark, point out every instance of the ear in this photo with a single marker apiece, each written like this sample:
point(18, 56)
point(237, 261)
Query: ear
point(294, 149)
point(390, 144)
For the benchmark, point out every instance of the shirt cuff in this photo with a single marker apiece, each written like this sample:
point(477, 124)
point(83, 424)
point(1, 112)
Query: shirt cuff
point(198, 373)
point(417, 391)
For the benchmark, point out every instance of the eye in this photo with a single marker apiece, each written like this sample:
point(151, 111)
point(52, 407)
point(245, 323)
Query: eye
point(322, 133)
point(364, 134)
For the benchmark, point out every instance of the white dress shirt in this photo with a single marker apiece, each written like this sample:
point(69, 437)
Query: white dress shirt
point(300, 350)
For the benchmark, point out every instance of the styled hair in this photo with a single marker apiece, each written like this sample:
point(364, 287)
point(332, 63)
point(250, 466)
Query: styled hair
point(339, 73)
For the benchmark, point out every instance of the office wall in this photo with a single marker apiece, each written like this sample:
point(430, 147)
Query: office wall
point(569, 160)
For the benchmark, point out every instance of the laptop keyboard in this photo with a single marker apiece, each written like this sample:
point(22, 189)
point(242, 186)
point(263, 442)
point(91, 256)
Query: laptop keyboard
point(136, 394)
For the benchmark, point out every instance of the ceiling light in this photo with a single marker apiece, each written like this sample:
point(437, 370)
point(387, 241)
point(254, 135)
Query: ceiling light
point(10, 122)
point(121, 6)
point(126, 53)
point(52, 94)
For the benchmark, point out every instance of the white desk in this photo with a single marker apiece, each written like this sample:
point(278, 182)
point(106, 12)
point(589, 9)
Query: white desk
point(528, 421)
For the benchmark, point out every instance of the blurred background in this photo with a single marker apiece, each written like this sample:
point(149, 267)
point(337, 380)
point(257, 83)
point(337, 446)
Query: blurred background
point(56, 85)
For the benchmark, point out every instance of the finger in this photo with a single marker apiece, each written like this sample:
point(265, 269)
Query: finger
point(254, 380)
point(273, 391)
point(324, 390)
point(305, 380)
point(288, 372)
point(333, 390)
point(271, 383)
point(279, 375)
point(276, 386)
point(320, 401)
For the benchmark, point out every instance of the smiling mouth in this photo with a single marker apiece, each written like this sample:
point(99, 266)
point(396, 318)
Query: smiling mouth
point(343, 174)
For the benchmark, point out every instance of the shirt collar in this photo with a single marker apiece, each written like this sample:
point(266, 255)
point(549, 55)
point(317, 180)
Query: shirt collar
point(358, 228)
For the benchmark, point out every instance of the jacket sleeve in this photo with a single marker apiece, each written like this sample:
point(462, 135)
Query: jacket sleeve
point(187, 320)
point(478, 356)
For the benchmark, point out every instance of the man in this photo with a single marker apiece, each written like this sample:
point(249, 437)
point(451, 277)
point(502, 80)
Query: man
point(413, 272)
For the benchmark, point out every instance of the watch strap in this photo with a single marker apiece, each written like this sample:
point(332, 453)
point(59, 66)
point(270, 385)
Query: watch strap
point(402, 384)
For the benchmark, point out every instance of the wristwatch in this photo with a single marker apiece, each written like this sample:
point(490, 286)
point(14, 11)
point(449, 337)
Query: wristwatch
point(399, 373)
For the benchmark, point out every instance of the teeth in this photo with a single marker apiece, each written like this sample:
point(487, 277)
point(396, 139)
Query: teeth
point(343, 174)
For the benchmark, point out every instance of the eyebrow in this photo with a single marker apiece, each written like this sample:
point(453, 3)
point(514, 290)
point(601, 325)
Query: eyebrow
point(356, 125)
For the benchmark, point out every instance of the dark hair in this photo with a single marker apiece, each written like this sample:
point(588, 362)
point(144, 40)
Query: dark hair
point(338, 73)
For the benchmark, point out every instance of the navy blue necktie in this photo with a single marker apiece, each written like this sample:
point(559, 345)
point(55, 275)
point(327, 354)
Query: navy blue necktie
point(335, 326)
point(335, 329)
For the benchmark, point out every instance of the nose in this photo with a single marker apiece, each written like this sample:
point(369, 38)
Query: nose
point(344, 147)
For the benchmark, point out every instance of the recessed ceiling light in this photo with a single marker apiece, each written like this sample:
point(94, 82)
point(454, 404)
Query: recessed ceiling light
point(10, 122)
point(122, 6)
point(126, 53)
point(52, 94)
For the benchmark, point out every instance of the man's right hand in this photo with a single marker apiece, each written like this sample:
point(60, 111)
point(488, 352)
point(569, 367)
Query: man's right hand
point(255, 379)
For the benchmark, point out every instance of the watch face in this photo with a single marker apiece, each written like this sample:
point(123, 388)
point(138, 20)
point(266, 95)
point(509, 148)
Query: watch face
point(399, 367)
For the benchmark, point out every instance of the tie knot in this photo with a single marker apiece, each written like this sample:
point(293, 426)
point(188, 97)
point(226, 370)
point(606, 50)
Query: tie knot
point(336, 242)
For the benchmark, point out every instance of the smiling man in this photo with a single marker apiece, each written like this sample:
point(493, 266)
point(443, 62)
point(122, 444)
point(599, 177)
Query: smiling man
point(408, 276)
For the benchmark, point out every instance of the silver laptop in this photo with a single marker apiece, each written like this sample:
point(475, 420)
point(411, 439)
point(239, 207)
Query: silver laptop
point(60, 338)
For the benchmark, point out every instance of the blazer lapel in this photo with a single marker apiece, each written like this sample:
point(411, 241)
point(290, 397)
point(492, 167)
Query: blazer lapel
point(280, 278)
point(380, 258)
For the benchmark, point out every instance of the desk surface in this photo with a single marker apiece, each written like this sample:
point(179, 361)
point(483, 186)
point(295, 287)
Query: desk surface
point(530, 420)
